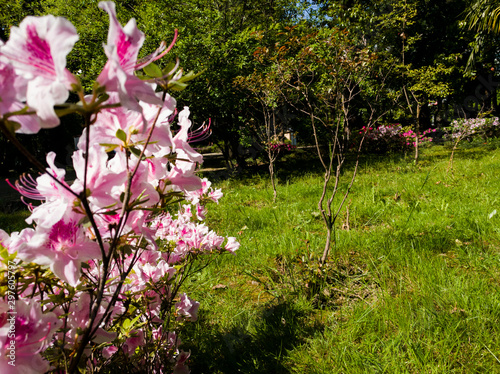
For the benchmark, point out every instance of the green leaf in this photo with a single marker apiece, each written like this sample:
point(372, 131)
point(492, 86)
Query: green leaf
point(135, 151)
point(167, 69)
point(120, 134)
point(138, 202)
point(126, 324)
point(176, 86)
point(12, 126)
point(190, 76)
point(109, 147)
point(153, 71)
point(109, 213)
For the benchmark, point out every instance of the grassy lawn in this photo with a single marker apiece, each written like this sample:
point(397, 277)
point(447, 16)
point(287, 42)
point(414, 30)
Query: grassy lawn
point(411, 287)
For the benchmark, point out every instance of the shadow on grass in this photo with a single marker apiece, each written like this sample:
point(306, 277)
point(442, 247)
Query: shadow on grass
point(13, 215)
point(305, 161)
point(428, 241)
point(276, 330)
point(294, 165)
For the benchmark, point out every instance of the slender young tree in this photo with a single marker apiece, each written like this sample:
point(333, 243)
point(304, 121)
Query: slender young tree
point(324, 76)
point(264, 92)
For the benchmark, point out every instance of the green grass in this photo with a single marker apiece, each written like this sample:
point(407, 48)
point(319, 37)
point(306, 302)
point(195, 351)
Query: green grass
point(412, 287)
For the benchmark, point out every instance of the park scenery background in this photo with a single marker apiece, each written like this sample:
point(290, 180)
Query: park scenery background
point(260, 187)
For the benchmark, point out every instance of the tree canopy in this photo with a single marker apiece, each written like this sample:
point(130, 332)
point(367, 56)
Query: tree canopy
point(421, 47)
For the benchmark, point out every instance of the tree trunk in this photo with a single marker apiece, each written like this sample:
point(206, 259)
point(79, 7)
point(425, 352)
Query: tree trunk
point(417, 138)
point(271, 173)
point(326, 251)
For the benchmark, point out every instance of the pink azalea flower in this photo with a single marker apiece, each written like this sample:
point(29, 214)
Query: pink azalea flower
point(136, 340)
point(18, 240)
point(135, 126)
point(182, 148)
point(12, 92)
point(232, 245)
point(4, 239)
point(104, 182)
point(37, 49)
point(140, 185)
point(180, 365)
point(79, 313)
point(122, 48)
point(58, 200)
point(205, 191)
point(109, 351)
point(27, 333)
point(200, 212)
point(187, 308)
point(153, 273)
point(182, 180)
point(215, 195)
point(63, 247)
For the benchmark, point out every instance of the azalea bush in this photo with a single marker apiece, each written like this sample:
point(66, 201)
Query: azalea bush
point(282, 147)
point(410, 137)
point(94, 284)
point(468, 128)
point(392, 138)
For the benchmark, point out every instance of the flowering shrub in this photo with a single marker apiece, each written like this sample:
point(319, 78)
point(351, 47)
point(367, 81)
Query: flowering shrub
point(410, 137)
point(391, 138)
point(95, 283)
point(471, 127)
point(282, 147)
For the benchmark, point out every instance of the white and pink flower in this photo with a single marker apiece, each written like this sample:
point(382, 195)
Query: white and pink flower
point(37, 50)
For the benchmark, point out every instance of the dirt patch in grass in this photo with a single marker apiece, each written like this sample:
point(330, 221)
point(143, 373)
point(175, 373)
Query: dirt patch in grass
point(337, 284)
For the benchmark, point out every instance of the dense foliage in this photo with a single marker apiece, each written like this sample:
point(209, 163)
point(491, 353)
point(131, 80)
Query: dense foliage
point(420, 47)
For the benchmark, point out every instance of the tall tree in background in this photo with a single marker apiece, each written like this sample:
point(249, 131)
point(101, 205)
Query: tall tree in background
point(482, 18)
point(421, 35)
point(216, 36)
